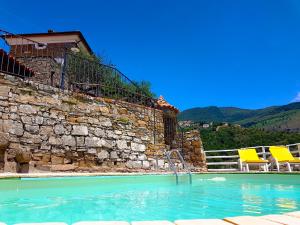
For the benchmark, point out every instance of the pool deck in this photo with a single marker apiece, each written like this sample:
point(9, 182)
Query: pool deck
point(86, 174)
point(292, 218)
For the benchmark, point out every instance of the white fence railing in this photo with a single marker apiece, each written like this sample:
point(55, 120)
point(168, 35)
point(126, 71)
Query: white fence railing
point(227, 159)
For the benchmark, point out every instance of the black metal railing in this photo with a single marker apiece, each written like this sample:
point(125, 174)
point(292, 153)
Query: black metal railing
point(102, 80)
point(57, 65)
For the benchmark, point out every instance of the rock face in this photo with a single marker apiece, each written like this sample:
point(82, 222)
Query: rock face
point(45, 129)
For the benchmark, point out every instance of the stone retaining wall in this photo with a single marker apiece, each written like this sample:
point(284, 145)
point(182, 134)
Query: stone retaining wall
point(193, 150)
point(51, 130)
point(45, 129)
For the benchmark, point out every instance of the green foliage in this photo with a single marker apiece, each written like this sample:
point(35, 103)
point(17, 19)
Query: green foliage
point(237, 137)
point(106, 80)
point(145, 87)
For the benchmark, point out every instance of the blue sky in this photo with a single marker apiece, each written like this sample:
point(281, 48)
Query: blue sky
point(243, 53)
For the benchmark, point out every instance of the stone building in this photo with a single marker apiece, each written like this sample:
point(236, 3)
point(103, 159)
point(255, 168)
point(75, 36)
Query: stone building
point(45, 53)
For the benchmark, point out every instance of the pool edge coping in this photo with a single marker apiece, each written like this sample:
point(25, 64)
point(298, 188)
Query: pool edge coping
point(238, 220)
point(87, 174)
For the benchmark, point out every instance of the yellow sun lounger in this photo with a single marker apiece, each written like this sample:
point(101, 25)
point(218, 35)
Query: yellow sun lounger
point(250, 157)
point(282, 156)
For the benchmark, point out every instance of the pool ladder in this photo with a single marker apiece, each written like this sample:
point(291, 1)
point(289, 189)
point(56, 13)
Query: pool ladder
point(173, 166)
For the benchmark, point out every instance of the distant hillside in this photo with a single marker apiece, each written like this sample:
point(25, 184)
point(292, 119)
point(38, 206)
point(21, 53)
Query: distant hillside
point(286, 117)
point(237, 137)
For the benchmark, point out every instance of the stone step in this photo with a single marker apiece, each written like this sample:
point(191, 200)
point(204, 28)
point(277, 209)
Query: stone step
point(202, 222)
point(295, 214)
point(250, 220)
point(283, 219)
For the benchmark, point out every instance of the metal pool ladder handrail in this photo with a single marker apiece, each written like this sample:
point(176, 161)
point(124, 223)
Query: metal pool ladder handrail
point(173, 167)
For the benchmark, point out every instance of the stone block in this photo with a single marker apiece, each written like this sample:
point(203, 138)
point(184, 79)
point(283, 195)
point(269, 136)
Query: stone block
point(38, 120)
point(34, 129)
point(80, 141)
point(114, 155)
point(13, 127)
point(161, 163)
point(27, 109)
point(13, 116)
point(63, 168)
point(45, 146)
point(111, 134)
point(56, 160)
point(49, 122)
point(146, 165)
point(132, 157)
point(93, 142)
point(134, 164)
point(105, 122)
point(26, 119)
point(46, 158)
point(99, 132)
point(55, 141)
point(46, 130)
point(4, 91)
point(13, 109)
point(79, 130)
point(138, 147)
point(23, 156)
point(91, 151)
point(107, 143)
point(122, 144)
point(118, 132)
point(68, 140)
point(4, 103)
point(103, 154)
point(59, 129)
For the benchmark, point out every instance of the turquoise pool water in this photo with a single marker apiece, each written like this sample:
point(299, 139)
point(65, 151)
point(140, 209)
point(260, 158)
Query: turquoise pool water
point(150, 197)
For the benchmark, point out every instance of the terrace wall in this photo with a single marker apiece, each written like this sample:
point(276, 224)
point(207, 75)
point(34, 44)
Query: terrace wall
point(51, 130)
point(193, 149)
point(45, 129)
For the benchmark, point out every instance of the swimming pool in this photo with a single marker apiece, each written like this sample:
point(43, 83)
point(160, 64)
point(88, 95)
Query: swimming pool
point(147, 197)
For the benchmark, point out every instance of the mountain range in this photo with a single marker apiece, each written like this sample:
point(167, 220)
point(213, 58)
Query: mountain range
point(285, 117)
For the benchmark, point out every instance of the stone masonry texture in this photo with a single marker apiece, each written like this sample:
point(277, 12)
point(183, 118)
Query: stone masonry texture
point(53, 130)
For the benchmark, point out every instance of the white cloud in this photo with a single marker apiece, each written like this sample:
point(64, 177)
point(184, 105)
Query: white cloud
point(297, 98)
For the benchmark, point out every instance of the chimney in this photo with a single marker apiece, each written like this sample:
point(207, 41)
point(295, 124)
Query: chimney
point(50, 31)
